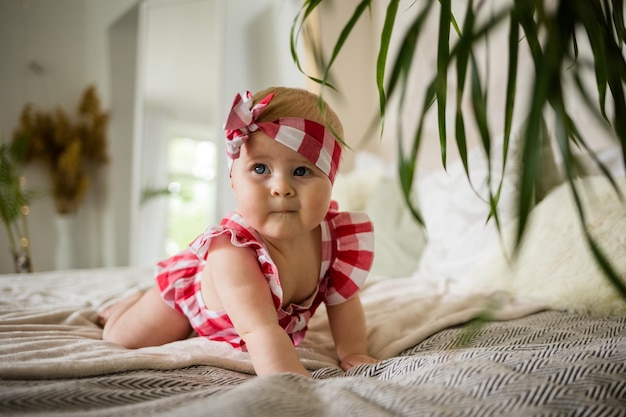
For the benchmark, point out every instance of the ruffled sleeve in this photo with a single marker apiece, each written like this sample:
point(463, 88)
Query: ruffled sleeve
point(353, 254)
point(187, 264)
point(242, 235)
point(232, 224)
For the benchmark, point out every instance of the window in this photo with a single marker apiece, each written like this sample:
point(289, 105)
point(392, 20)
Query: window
point(192, 184)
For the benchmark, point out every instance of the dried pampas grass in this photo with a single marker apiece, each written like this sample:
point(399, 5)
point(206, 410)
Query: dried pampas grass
point(70, 149)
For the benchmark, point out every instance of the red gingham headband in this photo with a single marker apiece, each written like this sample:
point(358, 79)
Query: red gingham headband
point(310, 139)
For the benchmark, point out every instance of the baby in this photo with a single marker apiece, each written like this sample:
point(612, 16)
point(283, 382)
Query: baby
point(255, 280)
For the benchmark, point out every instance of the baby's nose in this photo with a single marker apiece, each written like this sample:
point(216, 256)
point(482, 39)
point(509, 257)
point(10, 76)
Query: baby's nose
point(282, 186)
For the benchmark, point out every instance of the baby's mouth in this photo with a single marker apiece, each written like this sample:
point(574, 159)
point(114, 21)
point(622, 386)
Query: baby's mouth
point(285, 211)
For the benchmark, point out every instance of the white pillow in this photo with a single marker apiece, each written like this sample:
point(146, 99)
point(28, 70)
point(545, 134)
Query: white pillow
point(456, 217)
point(353, 189)
point(554, 265)
point(456, 212)
point(398, 238)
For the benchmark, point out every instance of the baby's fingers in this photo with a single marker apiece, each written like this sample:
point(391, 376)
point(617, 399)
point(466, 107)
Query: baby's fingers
point(354, 360)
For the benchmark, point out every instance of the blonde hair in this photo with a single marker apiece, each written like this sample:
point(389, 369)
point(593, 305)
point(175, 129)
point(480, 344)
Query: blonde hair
point(297, 102)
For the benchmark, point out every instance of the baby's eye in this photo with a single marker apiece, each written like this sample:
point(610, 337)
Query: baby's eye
point(301, 171)
point(260, 169)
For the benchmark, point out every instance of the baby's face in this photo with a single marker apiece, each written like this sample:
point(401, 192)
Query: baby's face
point(279, 192)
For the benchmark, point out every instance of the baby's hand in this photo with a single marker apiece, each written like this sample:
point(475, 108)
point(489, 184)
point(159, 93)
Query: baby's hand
point(356, 359)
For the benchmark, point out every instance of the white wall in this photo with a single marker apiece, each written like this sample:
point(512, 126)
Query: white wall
point(80, 42)
point(68, 39)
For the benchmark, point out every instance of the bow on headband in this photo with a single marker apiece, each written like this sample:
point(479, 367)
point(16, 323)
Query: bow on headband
point(310, 139)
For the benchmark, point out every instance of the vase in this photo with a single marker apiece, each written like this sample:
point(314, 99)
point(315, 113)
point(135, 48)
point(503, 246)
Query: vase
point(22, 262)
point(65, 248)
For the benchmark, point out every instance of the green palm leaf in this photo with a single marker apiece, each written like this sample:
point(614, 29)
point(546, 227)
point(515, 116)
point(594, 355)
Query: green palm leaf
point(381, 62)
point(554, 33)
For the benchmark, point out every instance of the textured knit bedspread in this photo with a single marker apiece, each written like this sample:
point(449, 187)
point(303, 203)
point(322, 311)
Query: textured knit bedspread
point(526, 361)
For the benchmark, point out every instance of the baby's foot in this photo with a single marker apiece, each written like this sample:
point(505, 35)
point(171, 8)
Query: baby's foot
point(104, 315)
point(125, 303)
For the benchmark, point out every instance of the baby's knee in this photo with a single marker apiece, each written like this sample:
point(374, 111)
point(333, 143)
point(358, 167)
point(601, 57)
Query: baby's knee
point(119, 336)
point(109, 334)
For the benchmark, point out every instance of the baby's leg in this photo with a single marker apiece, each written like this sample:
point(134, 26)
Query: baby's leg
point(119, 307)
point(145, 320)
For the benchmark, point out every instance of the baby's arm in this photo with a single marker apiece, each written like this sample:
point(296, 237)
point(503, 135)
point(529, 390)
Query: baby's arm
point(245, 296)
point(347, 324)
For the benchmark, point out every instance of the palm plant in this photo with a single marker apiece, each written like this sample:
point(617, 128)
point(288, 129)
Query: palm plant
point(553, 32)
point(14, 203)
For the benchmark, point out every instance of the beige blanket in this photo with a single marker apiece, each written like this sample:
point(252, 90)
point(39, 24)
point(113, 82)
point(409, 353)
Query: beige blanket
point(48, 324)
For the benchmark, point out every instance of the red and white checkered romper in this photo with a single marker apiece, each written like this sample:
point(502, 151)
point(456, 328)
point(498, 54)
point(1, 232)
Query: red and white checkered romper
point(347, 256)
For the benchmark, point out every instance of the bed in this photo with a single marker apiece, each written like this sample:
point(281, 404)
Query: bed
point(460, 331)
